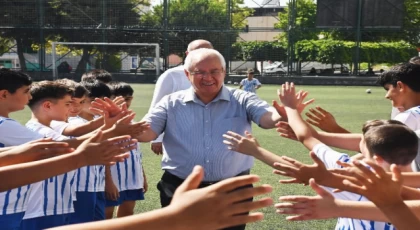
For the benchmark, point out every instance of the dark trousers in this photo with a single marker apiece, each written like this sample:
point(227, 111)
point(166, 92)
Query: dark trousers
point(169, 183)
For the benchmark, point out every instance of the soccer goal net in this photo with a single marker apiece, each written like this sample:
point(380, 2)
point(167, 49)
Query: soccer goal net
point(76, 58)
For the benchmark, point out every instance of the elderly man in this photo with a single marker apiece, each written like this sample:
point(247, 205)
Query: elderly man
point(171, 81)
point(195, 119)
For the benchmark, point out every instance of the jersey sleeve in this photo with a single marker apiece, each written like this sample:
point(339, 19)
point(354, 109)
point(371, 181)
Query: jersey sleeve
point(329, 156)
point(408, 119)
point(13, 133)
point(59, 126)
point(257, 82)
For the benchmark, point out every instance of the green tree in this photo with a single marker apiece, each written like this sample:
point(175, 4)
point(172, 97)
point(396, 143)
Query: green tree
point(198, 19)
point(305, 21)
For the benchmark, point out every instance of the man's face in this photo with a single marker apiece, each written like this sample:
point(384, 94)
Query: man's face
point(76, 106)
point(59, 109)
point(207, 76)
point(19, 99)
point(250, 75)
point(394, 94)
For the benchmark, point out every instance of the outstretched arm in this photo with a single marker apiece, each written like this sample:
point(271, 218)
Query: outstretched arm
point(189, 209)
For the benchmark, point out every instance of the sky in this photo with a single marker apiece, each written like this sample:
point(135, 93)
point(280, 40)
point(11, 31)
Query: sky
point(249, 3)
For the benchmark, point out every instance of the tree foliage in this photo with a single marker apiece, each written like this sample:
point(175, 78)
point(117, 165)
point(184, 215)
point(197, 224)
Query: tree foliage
point(199, 19)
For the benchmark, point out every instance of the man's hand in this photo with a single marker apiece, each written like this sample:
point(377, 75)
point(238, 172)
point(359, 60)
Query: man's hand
point(324, 120)
point(301, 172)
point(226, 209)
point(157, 148)
point(318, 207)
point(247, 145)
point(107, 152)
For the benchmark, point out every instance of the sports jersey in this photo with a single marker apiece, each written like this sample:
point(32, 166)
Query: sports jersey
point(59, 126)
point(13, 134)
point(88, 178)
point(55, 196)
point(330, 158)
point(128, 175)
point(249, 86)
point(411, 118)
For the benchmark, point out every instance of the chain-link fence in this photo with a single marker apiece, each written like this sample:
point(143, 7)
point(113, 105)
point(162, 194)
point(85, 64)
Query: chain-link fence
point(273, 38)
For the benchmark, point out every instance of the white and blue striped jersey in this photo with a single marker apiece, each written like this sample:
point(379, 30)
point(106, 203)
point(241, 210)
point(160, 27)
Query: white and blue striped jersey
point(13, 134)
point(88, 178)
point(330, 158)
point(249, 86)
point(55, 196)
point(128, 175)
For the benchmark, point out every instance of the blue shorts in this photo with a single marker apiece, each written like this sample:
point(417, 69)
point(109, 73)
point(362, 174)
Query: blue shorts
point(100, 206)
point(84, 207)
point(11, 221)
point(45, 222)
point(127, 195)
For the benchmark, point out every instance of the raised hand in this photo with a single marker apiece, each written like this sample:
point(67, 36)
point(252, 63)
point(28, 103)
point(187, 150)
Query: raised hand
point(247, 145)
point(285, 130)
point(106, 152)
point(324, 120)
point(226, 209)
point(302, 105)
point(373, 181)
point(300, 208)
point(301, 173)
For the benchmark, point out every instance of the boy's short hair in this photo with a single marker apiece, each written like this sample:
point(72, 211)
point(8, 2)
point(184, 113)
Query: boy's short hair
point(11, 80)
point(407, 73)
point(96, 89)
point(79, 90)
point(119, 88)
point(48, 90)
point(97, 74)
point(391, 140)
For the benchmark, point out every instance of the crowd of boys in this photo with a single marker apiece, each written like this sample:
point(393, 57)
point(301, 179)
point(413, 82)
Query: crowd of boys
point(78, 157)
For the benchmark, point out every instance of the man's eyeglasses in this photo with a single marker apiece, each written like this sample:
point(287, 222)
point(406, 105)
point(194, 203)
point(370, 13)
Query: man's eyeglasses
point(201, 74)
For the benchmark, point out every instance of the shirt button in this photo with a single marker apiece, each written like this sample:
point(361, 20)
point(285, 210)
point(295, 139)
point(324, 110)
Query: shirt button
point(207, 121)
point(207, 147)
point(207, 161)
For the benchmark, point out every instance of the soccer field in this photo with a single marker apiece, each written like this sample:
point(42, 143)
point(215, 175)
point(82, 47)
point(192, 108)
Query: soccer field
point(350, 105)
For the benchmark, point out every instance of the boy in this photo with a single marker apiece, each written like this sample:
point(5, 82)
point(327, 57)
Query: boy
point(250, 84)
point(385, 144)
point(50, 206)
point(90, 182)
point(78, 99)
point(14, 95)
point(129, 175)
point(97, 74)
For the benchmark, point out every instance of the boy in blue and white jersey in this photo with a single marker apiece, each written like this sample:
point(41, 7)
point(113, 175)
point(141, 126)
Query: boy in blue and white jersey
point(90, 181)
point(51, 205)
point(250, 84)
point(125, 181)
point(14, 96)
point(383, 142)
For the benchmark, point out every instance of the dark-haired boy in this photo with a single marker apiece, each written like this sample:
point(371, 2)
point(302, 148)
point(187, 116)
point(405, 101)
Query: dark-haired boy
point(383, 143)
point(125, 182)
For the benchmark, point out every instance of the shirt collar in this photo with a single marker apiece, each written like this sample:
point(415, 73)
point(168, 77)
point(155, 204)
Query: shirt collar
point(191, 96)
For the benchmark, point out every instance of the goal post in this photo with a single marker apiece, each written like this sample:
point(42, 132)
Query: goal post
point(54, 46)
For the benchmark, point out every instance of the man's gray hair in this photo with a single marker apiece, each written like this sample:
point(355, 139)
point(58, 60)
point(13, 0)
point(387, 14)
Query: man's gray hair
point(194, 55)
